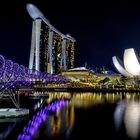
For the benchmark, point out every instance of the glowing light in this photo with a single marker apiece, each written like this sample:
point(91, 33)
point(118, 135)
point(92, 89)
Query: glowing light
point(38, 119)
point(132, 119)
point(119, 67)
point(131, 63)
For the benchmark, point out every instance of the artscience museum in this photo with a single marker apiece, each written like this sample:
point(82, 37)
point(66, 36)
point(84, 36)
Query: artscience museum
point(130, 66)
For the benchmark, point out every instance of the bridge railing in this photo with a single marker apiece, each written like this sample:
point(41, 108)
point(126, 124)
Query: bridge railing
point(14, 76)
point(10, 71)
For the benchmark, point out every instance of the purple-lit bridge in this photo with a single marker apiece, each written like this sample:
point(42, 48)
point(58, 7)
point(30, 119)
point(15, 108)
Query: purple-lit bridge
point(14, 76)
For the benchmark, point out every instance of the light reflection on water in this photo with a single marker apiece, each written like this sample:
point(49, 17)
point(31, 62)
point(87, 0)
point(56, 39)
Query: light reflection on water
point(62, 121)
point(127, 109)
point(128, 113)
point(31, 129)
point(132, 118)
point(7, 125)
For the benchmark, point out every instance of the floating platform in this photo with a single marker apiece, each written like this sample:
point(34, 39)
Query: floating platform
point(13, 112)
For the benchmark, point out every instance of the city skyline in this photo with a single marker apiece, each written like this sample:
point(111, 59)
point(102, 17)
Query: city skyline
point(100, 30)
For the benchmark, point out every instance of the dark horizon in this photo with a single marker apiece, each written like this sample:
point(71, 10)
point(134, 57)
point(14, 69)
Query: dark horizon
point(101, 29)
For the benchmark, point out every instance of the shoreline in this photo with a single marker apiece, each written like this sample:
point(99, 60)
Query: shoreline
point(87, 90)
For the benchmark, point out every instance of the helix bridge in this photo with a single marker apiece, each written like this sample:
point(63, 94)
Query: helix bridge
point(14, 76)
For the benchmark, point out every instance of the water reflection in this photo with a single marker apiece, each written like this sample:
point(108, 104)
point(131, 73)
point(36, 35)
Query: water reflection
point(61, 122)
point(132, 118)
point(87, 99)
point(118, 114)
point(128, 113)
point(7, 125)
point(51, 115)
point(59, 119)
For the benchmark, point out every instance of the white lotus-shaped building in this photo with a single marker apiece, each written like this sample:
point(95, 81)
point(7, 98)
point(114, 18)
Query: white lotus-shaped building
point(130, 67)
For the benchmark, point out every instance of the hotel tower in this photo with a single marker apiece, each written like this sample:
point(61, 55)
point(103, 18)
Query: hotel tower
point(51, 51)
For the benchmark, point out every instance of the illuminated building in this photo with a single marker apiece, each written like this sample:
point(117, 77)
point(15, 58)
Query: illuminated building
point(51, 51)
point(83, 74)
point(79, 74)
point(130, 67)
point(69, 54)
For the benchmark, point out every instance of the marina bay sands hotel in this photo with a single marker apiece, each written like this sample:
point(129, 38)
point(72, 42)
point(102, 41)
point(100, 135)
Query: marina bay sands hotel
point(51, 50)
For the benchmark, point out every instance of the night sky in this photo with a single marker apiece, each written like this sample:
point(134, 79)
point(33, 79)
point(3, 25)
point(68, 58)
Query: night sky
point(101, 29)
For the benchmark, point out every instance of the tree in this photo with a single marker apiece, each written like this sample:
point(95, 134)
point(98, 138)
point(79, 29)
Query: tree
point(123, 79)
point(106, 79)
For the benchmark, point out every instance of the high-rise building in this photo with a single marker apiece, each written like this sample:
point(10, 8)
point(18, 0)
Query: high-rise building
point(39, 46)
point(69, 54)
point(51, 51)
point(56, 52)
